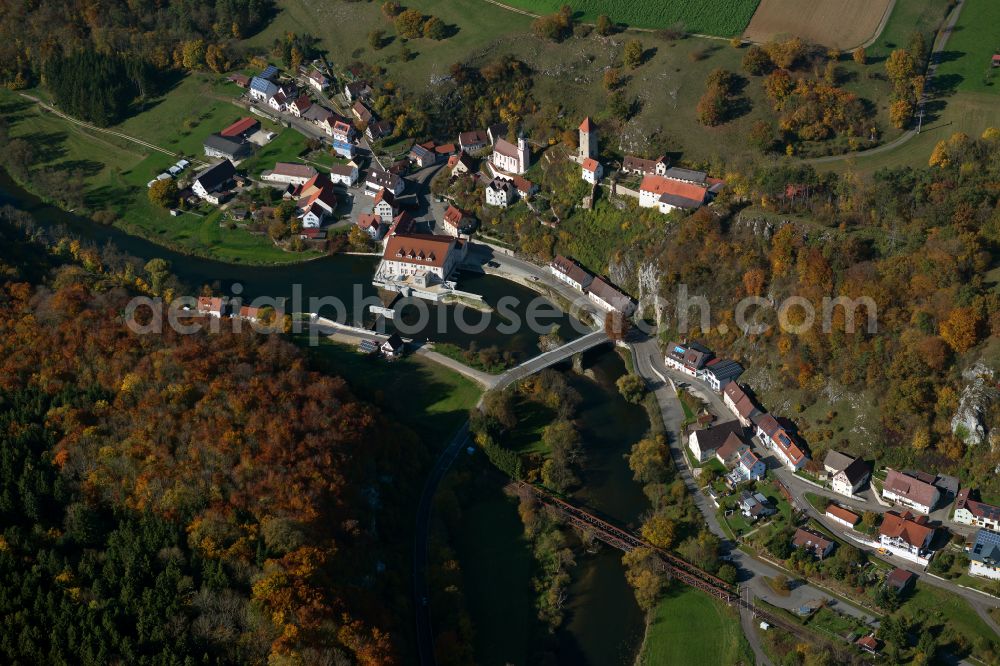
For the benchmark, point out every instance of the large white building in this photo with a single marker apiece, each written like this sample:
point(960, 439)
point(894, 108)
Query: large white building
point(500, 192)
point(850, 480)
point(289, 173)
point(906, 534)
point(509, 158)
point(421, 254)
point(910, 492)
point(592, 171)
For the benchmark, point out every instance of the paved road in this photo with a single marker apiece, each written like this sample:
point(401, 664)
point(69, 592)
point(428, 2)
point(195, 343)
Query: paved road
point(980, 602)
point(940, 42)
point(649, 364)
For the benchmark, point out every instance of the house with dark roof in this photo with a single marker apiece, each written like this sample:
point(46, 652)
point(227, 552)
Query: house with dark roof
point(357, 90)
point(910, 492)
point(657, 167)
point(270, 73)
point(212, 181)
point(686, 175)
point(379, 129)
point(609, 298)
point(422, 156)
point(262, 89)
point(687, 358)
point(984, 555)
point(570, 271)
point(234, 149)
point(719, 372)
point(704, 443)
point(378, 179)
point(500, 192)
point(740, 403)
point(774, 436)
point(905, 533)
point(317, 80)
point(300, 105)
point(732, 448)
point(813, 541)
point(755, 506)
point(835, 461)
point(385, 205)
point(900, 579)
point(393, 347)
point(970, 512)
point(473, 141)
point(852, 478)
point(461, 164)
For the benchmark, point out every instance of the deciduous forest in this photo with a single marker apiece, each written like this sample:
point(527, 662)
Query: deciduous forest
point(175, 499)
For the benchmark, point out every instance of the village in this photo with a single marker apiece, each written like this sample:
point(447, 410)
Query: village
point(768, 493)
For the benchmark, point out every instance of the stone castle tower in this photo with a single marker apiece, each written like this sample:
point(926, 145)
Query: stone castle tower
point(588, 140)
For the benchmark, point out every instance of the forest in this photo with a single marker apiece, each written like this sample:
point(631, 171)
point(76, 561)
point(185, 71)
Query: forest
point(177, 499)
point(921, 243)
point(99, 56)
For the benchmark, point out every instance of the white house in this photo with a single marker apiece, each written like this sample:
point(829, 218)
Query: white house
point(421, 254)
point(300, 105)
point(984, 555)
point(385, 205)
point(316, 200)
point(317, 80)
point(455, 220)
point(646, 167)
point(500, 192)
point(704, 443)
point(213, 180)
point(565, 269)
point(379, 179)
point(278, 101)
point(372, 225)
point(460, 164)
point(473, 141)
point(345, 174)
point(849, 480)
point(689, 358)
point(289, 173)
point(592, 171)
point(509, 158)
point(773, 436)
point(609, 297)
point(719, 372)
point(668, 194)
point(342, 130)
point(905, 534)
point(910, 492)
point(971, 512)
point(262, 89)
point(739, 403)
point(748, 468)
point(393, 347)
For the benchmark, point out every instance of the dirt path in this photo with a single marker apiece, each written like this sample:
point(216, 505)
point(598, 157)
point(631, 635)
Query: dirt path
point(94, 128)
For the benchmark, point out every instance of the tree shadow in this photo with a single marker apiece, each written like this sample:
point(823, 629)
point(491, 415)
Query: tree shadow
point(648, 54)
point(46, 147)
point(947, 84)
point(450, 30)
point(738, 108)
point(85, 167)
point(948, 56)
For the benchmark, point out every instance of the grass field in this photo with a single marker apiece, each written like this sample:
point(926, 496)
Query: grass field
point(438, 400)
point(938, 609)
point(966, 62)
point(907, 17)
point(724, 18)
point(843, 24)
point(116, 170)
point(689, 627)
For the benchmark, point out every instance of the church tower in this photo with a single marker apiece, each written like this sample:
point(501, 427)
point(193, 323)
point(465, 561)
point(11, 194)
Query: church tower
point(588, 140)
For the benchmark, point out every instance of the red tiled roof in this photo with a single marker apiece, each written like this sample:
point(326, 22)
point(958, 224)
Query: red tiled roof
point(294, 170)
point(912, 529)
point(453, 216)
point(367, 220)
point(842, 513)
point(423, 249)
point(241, 126)
point(591, 165)
point(659, 185)
point(587, 125)
point(912, 489)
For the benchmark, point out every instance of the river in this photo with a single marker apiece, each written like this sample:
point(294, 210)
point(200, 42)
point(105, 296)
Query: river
point(603, 624)
point(346, 278)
